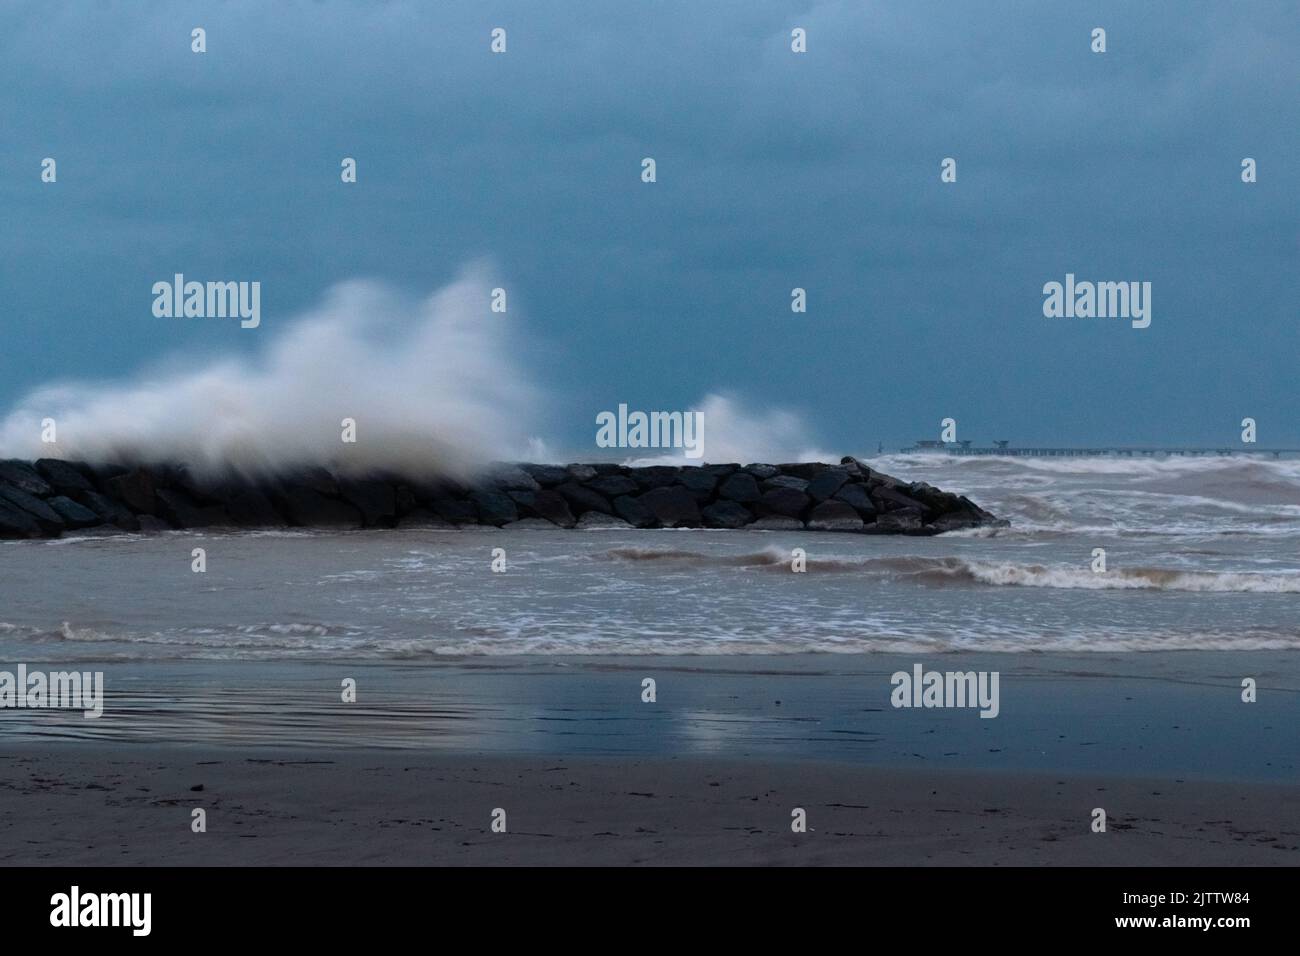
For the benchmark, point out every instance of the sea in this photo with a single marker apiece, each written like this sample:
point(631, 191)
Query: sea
point(452, 636)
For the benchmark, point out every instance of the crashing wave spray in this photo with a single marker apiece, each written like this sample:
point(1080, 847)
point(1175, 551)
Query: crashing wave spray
point(431, 384)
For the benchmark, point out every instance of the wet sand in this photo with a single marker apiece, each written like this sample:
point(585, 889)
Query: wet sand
point(132, 804)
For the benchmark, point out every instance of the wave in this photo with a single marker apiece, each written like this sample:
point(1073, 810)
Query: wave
point(316, 642)
point(947, 570)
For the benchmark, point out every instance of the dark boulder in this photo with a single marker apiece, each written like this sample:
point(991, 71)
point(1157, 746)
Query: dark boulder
point(889, 499)
point(24, 477)
point(856, 495)
point(762, 472)
point(897, 522)
point(420, 518)
point(612, 486)
point(782, 502)
point(547, 476)
point(455, 510)
point(726, 514)
point(581, 473)
point(698, 482)
point(826, 484)
point(15, 523)
point(654, 476)
point(251, 508)
point(511, 478)
point(182, 511)
point(46, 518)
point(150, 524)
point(307, 508)
point(633, 512)
point(597, 521)
point(316, 479)
point(135, 489)
point(720, 471)
point(582, 499)
point(776, 523)
point(741, 487)
point(786, 481)
point(807, 470)
point(834, 516)
point(673, 507)
point(64, 477)
point(109, 509)
point(550, 504)
point(495, 508)
point(73, 514)
point(531, 524)
point(375, 499)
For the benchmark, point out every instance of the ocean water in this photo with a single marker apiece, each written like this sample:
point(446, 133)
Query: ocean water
point(1201, 554)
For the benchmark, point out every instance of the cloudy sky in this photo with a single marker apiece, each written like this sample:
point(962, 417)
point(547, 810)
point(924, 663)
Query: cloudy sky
point(775, 170)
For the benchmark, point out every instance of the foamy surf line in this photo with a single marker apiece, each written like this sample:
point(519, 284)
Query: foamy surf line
point(943, 570)
point(238, 646)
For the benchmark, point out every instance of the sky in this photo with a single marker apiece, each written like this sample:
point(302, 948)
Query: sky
point(774, 170)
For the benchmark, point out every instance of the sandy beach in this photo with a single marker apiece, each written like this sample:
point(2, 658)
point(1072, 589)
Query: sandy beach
point(132, 805)
point(709, 774)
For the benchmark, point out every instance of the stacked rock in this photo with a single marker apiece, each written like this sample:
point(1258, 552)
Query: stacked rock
point(49, 497)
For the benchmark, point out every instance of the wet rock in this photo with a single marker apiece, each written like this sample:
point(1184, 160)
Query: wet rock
point(726, 514)
point(420, 518)
point(740, 487)
point(834, 516)
point(64, 477)
point(110, 510)
point(24, 477)
point(15, 523)
point(455, 510)
point(776, 523)
point(375, 499)
point(782, 502)
point(135, 489)
point(73, 514)
point(307, 508)
point(251, 508)
point(182, 511)
point(46, 518)
point(673, 507)
point(149, 524)
point(857, 497)
point(786, 481)
point(597, 521)
point(547, 476)
point(762, 472)
point(582, 499)
point(698, 482)
point(612, 486)
point(550, 504)
point(826, 484)
point(654, 476)
point(896, 522)
point(531, 524)
point(889, 499)
point(633, 512)
point(511, 478)
point(495, 508)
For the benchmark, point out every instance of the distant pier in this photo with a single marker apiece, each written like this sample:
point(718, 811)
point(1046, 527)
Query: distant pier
point(1005, 449)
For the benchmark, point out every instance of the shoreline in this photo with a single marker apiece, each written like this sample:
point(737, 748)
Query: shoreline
point(134, 806)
